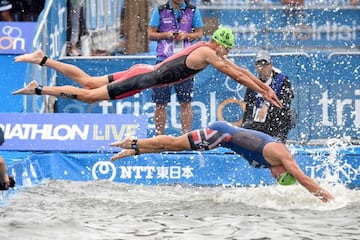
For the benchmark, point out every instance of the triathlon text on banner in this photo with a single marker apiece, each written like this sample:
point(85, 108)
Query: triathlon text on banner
point(69, 132)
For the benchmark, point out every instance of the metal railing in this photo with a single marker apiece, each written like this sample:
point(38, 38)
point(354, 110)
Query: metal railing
point(103, 23)
point(50, 38)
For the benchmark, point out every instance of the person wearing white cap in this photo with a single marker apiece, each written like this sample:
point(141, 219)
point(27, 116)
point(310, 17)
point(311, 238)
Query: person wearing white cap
point(259, 114)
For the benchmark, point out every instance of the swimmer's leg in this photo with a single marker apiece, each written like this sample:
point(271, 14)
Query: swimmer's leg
point(157, 144)
point(68, 70)
point(160, 143)
point(124, 153)
point(85, 95)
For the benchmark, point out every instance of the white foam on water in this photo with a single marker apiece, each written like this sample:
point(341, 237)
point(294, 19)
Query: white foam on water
point(289, 197)
point(102, 209)
point(107, 210)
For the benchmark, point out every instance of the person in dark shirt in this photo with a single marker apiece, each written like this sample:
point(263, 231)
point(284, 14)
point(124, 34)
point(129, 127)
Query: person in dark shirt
point(259, 114)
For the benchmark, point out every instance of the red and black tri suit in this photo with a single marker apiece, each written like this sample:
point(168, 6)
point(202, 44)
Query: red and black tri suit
point(143, 76)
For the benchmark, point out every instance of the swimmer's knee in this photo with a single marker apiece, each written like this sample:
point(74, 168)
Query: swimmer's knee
point(92, 96)
point(167, 142)
point(89, 84)
point(90, 100)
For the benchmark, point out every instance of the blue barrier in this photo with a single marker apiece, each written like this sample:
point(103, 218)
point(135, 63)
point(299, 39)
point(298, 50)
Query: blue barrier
point(217, 167)
point(11, 76)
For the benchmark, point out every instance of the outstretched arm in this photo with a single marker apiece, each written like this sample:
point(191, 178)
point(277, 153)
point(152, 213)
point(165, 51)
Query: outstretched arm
point(308, 182)
point(278, 154)
point(243, 75)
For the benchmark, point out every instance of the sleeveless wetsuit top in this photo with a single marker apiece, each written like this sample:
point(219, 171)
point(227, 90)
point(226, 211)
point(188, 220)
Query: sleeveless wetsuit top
point(247, 143)
point(142, 76)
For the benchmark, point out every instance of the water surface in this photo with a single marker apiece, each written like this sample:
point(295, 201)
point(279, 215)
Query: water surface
point(106, 210)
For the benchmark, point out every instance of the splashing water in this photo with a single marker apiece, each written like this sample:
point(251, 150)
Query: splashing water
point(333, 164)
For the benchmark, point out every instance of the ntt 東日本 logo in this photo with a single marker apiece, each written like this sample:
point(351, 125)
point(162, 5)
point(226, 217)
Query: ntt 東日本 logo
point(11, 38)
point(106, 170)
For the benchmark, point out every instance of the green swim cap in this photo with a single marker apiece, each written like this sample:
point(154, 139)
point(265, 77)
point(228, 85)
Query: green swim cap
point(286, 178)
point(224, 36)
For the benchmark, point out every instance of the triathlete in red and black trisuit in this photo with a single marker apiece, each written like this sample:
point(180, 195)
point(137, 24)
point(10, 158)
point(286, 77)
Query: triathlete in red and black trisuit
point(142, 76)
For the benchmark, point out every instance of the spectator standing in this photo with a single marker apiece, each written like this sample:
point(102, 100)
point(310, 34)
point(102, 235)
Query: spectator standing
point(174, 25)
point(5, 11)
point(26, 10)
point(74, 9)
point(259, 114)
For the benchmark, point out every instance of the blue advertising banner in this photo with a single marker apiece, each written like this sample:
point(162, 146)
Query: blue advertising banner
point(326, 95)
point(68, 132)
point(49, 35)
point(331, 164)
point(317, 51)
point(281, 27)
point(11, 76)
point(16, 37)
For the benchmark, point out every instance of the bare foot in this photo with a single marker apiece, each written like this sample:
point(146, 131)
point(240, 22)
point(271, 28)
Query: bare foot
point(122, 154)
point(35, 57)
point(74, 52)
point(28, 90)
point(126, 143)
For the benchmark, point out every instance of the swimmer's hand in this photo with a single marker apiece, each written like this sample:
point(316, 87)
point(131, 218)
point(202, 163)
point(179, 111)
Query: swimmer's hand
point(324, 195)
point(124, 153)
point(271, 97)
point(125, 143)
point(9, 183)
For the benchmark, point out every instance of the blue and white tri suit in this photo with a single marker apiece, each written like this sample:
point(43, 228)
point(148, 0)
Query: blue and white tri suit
point(247, 143)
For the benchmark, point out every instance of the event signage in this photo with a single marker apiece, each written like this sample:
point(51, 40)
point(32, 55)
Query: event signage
point(140, 172)
point(16, 37)
point(327, 104)
point(69, 132)
point(216, 167)
point(310, 28)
